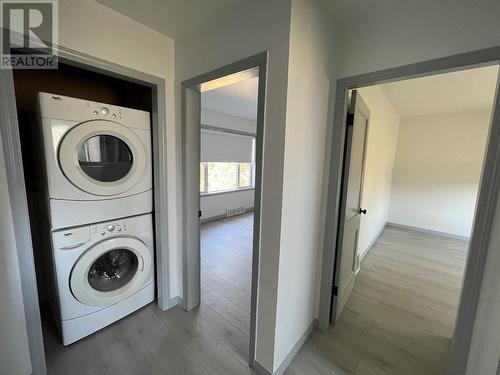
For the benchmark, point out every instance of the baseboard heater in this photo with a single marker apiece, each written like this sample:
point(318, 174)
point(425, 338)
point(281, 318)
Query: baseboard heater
point(235, 211)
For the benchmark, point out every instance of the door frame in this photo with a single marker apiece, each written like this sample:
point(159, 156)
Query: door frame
point(190, 89)
point(485, 206)
point(9, 129)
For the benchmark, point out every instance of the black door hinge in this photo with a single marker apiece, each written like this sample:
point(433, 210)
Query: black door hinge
point(335, 290)
point(350, 119)
point(199, 213)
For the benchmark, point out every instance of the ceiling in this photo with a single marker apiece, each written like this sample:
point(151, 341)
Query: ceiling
point(351, 14)
point(238, 99)
point(466, 90)
point(170, 17)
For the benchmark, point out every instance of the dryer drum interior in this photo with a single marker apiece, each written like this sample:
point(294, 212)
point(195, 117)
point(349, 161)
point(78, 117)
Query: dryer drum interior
point(105, 158)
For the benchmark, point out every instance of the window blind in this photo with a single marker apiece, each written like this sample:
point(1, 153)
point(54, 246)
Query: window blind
point(217, 146)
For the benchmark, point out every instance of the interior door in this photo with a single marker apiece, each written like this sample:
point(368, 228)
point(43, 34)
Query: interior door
point(352, 181)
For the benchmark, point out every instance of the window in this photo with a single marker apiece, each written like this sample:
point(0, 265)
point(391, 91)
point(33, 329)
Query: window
point(245, 175)
point(203, 178)
point(223, 176)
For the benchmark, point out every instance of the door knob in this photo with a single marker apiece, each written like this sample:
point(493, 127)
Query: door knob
point(361, 211)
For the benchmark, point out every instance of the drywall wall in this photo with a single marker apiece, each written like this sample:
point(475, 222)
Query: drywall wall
point(381, 144)
point(118, 39)
point(381, 35)
point(309, 73)
point(437, 171)
point(215, 205)
point(252, 28)
point(14, 344)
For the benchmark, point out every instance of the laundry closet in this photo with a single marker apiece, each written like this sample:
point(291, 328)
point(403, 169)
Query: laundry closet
point(86, 143)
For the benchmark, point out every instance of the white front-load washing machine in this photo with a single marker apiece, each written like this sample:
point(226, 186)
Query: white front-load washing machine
point(102, 273)
point(98, 160)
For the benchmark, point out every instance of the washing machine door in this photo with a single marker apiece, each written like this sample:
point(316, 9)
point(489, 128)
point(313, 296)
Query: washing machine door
point(102, 157)
point(110, 271)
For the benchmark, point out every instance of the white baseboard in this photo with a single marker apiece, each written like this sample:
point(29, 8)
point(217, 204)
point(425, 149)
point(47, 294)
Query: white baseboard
point(428, 231)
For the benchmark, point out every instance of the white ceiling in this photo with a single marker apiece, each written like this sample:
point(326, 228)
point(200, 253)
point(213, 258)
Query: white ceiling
point(238, 99)
point(466, 90)
point(171, 17)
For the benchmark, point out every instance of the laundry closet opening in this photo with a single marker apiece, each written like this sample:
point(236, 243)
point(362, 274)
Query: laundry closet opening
point(86, 142)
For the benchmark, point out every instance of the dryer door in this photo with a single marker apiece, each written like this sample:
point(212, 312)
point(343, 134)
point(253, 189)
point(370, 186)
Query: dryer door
point(110, 271)
point(102, 157)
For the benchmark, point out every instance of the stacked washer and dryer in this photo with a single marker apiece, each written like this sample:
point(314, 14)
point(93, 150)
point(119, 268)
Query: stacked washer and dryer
point(100, 198)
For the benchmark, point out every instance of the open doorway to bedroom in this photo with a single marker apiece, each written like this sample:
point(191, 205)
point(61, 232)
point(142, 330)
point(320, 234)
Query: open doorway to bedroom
point(223, 127)
point(415, 151)
point(227, 189)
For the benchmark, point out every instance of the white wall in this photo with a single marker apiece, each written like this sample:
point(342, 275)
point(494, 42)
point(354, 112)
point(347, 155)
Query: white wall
point(13, 333)
point(252, 28)
point(213, 205)
point(93, 29)
point(394, 33)
point(309, 74)
point(381, 144)
point(437, 171)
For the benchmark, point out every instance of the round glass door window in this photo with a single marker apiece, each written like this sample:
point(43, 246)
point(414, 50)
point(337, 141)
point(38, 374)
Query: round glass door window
point(105, 158)
point(113, 270)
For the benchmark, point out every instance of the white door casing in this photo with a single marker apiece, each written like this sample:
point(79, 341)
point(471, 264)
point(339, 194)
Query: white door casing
point(85, 293)
point(68, 157)
point(351, 193)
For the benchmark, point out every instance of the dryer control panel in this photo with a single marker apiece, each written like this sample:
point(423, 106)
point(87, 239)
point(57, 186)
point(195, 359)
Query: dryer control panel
point(107, 229)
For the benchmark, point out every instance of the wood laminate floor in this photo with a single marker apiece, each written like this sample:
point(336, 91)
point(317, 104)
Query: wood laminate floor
point(399, 319)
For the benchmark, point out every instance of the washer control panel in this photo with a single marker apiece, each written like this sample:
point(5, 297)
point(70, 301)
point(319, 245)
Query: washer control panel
point(107, 229)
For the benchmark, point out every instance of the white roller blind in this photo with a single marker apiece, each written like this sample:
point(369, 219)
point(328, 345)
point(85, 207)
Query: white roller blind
point(226, 147)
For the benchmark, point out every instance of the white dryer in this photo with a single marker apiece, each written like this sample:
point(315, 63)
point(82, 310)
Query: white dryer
point(98, 160)
point(102, 273)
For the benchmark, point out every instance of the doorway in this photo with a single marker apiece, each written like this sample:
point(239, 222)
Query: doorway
point(482, 224)
point(220, 161)
point(154, 100)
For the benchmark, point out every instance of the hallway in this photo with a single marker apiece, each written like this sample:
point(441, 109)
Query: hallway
point(398, 320)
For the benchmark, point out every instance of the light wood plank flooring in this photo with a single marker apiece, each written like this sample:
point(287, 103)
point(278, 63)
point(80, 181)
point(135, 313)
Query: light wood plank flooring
point(400, 317)
point(398, 320)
